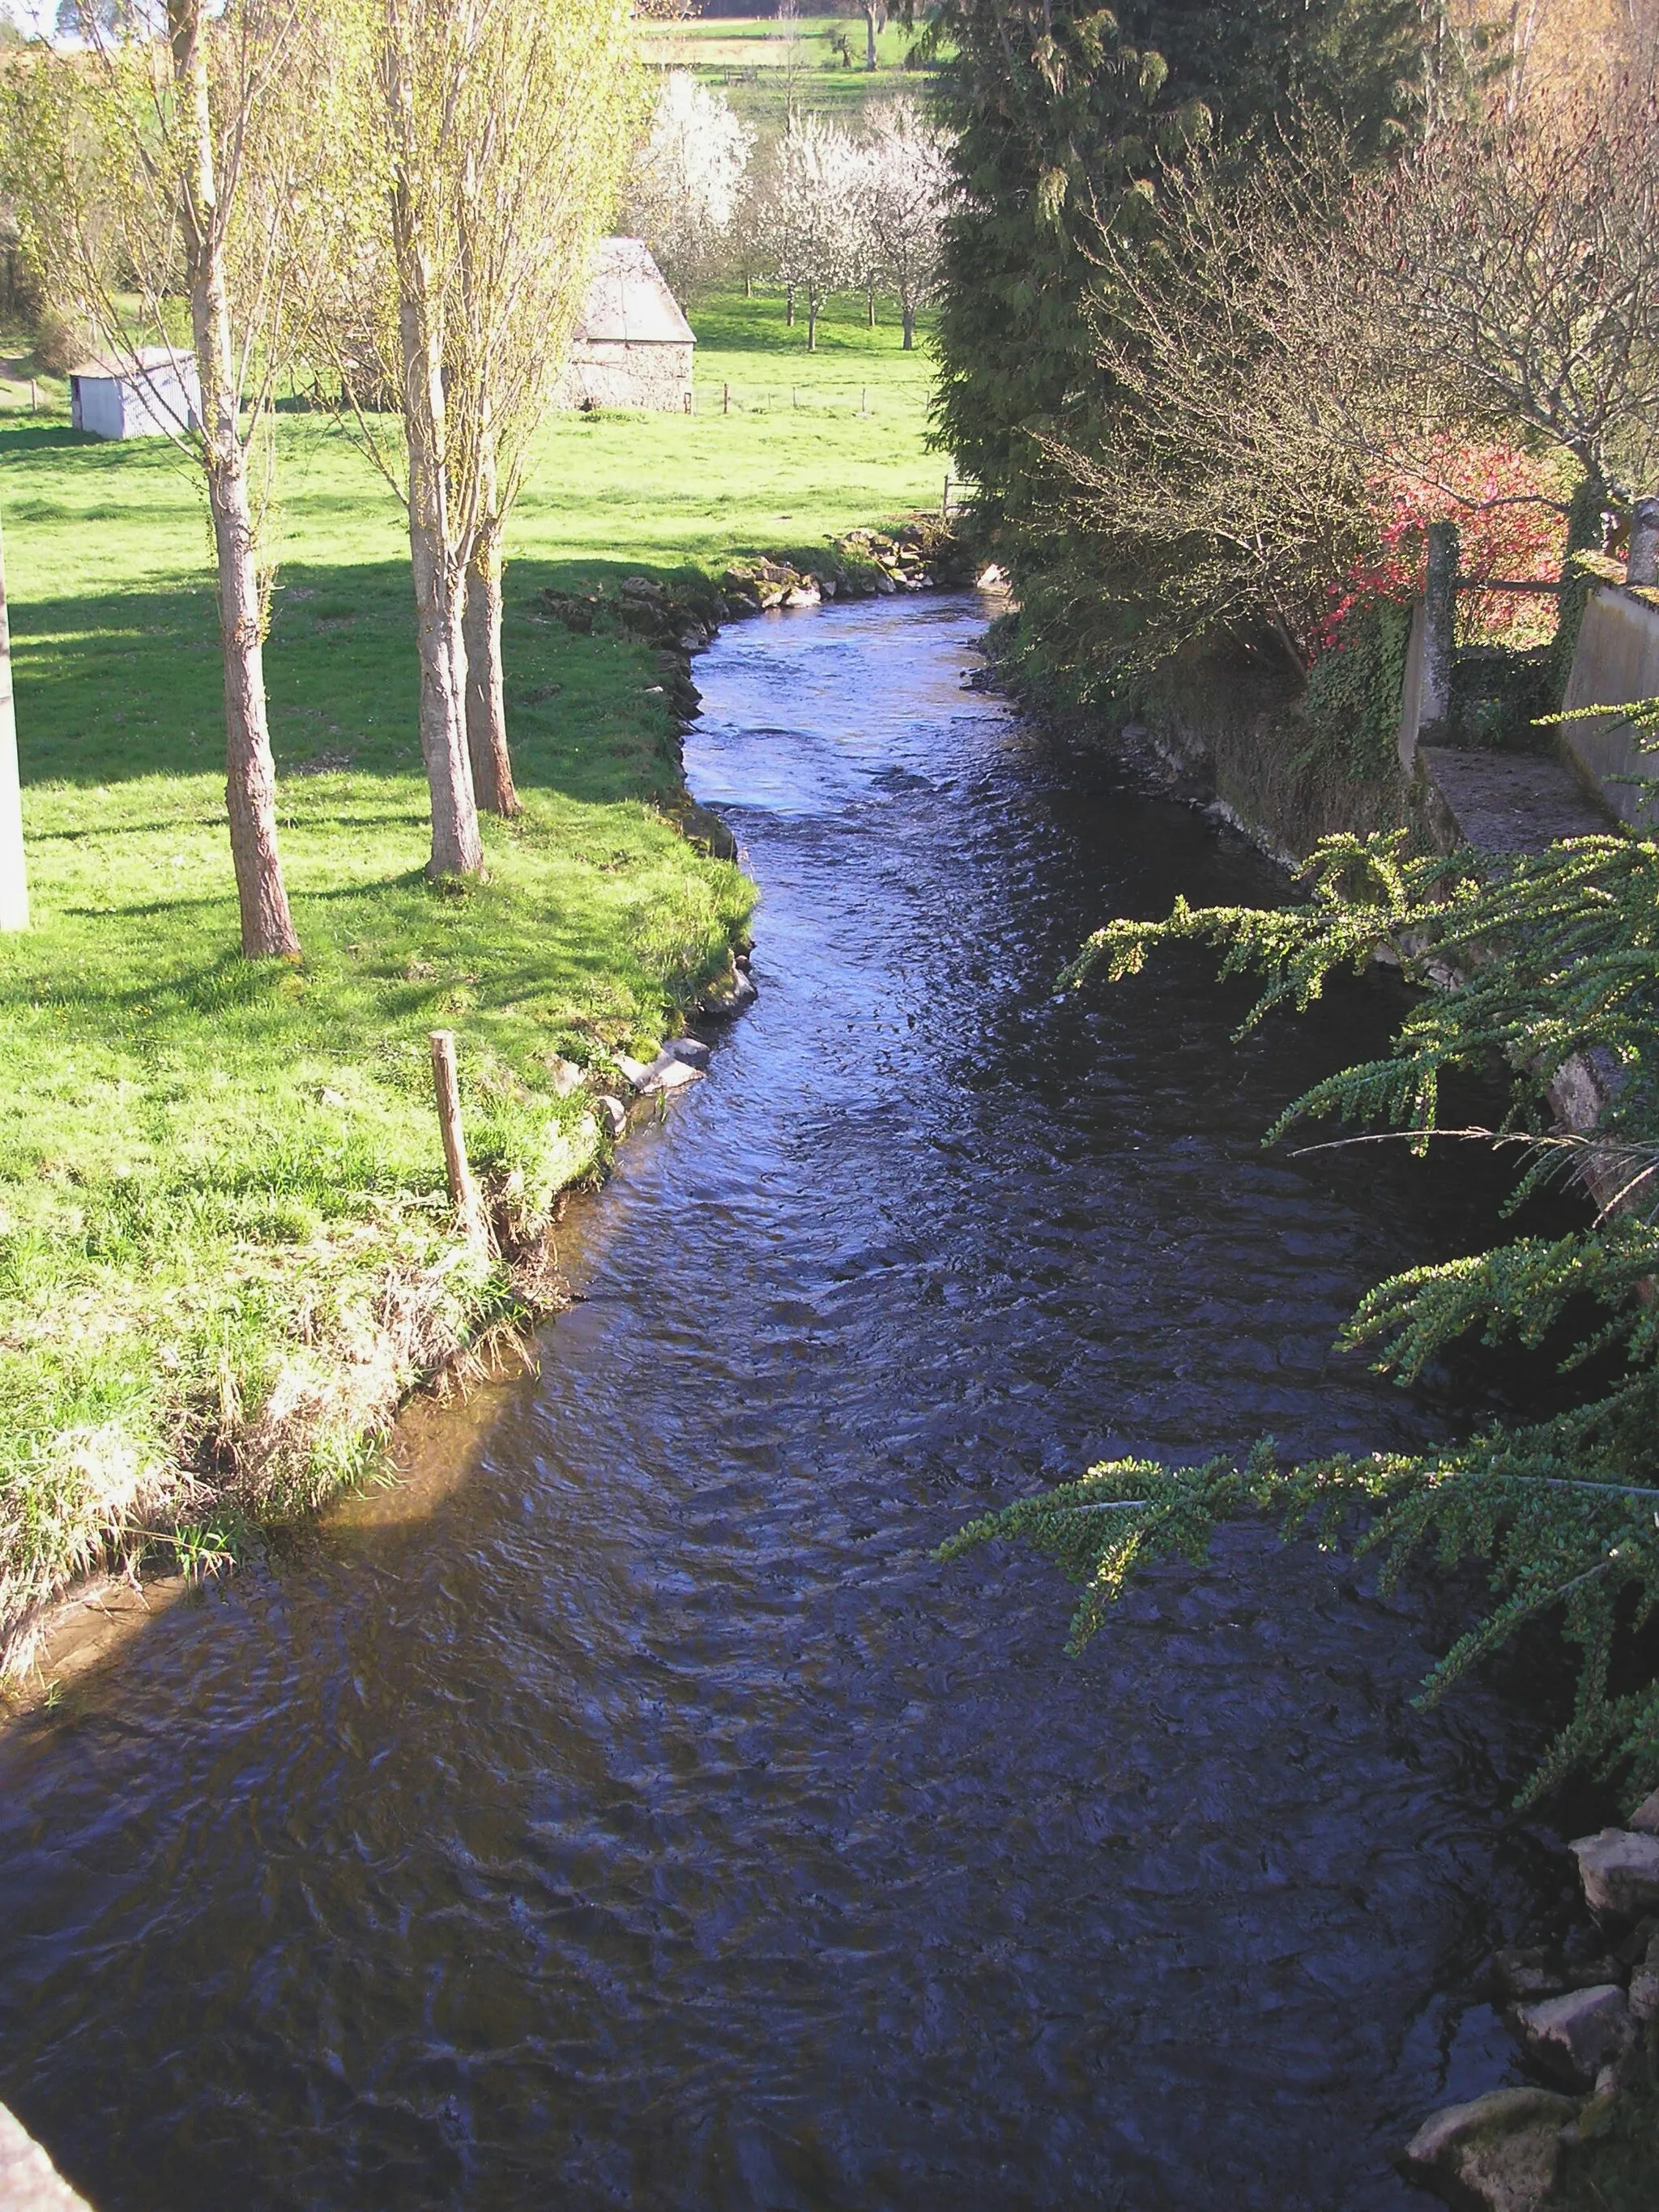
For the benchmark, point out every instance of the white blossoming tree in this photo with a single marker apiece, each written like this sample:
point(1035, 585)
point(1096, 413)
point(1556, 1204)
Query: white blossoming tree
point(688, 181)
point(811, 216)
point(907, 179)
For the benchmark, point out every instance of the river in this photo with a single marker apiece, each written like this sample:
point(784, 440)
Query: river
point(627, 1813)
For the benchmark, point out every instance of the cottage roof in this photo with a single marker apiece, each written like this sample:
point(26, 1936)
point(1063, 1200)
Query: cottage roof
point(129, 366)
point(629, 301)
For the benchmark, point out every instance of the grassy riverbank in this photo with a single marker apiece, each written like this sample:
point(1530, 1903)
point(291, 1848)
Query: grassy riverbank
point(224, 1247)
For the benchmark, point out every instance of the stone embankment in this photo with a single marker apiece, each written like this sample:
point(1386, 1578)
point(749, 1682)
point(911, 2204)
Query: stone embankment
point(1586, 2017)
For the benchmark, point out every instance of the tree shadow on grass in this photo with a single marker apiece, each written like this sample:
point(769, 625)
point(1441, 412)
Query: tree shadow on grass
point(118, 685)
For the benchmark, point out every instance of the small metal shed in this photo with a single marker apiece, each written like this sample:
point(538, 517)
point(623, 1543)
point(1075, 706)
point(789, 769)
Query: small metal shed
point(143, 394)
point(632, 346)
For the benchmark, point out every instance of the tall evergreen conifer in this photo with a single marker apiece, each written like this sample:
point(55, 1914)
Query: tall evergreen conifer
point(1063, 115)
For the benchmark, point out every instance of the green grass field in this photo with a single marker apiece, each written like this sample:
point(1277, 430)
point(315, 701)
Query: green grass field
point(215, 1177)
point(752, 60)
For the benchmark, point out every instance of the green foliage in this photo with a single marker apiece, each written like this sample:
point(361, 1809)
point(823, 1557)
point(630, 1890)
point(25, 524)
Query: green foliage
point(1525, 962)
point(1352, 704)
point(1064, 114)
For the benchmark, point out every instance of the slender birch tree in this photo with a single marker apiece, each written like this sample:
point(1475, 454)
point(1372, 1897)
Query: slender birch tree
point(14, 876)
point(493, 139)
point(548, 173)
point(178, 154)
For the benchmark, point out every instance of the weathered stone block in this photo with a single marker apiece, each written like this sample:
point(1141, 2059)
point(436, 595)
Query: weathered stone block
point(1498, 2154)
point(1575, 2035)
point(1619, 1869)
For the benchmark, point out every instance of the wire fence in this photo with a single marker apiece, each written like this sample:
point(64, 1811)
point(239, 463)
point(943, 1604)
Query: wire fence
point(870, 400)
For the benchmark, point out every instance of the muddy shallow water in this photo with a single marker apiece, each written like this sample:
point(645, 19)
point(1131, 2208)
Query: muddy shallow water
point(627, 1812)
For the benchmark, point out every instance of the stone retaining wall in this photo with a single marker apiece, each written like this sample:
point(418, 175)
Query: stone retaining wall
point(1616, 660)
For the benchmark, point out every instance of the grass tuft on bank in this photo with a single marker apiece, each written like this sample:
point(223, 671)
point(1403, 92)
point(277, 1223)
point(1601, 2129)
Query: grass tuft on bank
point(225, 1254)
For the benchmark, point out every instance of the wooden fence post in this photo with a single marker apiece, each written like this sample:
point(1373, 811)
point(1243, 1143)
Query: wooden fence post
point(1439, 634)
point(726, 399)
point(462, 1191)
point(1643, 566)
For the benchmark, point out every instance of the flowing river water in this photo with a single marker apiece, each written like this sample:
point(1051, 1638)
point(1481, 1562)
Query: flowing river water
point(627, 1811)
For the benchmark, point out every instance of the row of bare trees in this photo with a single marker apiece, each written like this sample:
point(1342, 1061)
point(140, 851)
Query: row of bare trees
point(407, 189)
point(1289, 338)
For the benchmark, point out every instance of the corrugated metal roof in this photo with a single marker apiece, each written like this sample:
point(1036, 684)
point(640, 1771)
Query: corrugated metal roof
point(130, 365)
point(629, 301)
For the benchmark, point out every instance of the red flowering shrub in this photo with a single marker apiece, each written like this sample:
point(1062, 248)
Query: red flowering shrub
point(1510, 512)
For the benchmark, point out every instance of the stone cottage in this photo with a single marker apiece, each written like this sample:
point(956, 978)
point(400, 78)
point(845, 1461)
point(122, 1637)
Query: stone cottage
point(632, 346)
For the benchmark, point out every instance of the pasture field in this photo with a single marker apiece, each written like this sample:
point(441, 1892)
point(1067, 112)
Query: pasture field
point(220, 1183)
point(754, 61)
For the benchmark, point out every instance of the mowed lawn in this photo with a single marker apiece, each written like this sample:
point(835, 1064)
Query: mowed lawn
point(214, 1175)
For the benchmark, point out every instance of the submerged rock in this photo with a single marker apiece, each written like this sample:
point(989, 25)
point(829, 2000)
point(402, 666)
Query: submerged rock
point(703, 827)
point(1619, 1870)
point(668, 1073)
point(692, 1050)
point(732, 994)
point(1575, 2036)
point(1499, 2154)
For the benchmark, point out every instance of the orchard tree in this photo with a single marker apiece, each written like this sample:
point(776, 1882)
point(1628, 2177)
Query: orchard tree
point(908, 175)
point(688, 181)
point(181, 151)
point(811, 216)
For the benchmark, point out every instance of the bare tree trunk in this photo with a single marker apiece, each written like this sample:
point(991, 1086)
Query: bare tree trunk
point(869, 37)
point(811, 318)
point(13, 877)
point(268, 929)
point(439, 588)
point(789, 306)
point(439, 570)
point(908, 313)
point(486, 700)
point(870, 293)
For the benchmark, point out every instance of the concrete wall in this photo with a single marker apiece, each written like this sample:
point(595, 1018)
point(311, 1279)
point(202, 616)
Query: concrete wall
point(29, 2182)
point(1617, 661)
point(654, 377)
point(147, 406)
point(162, 402)
point(97, 405)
